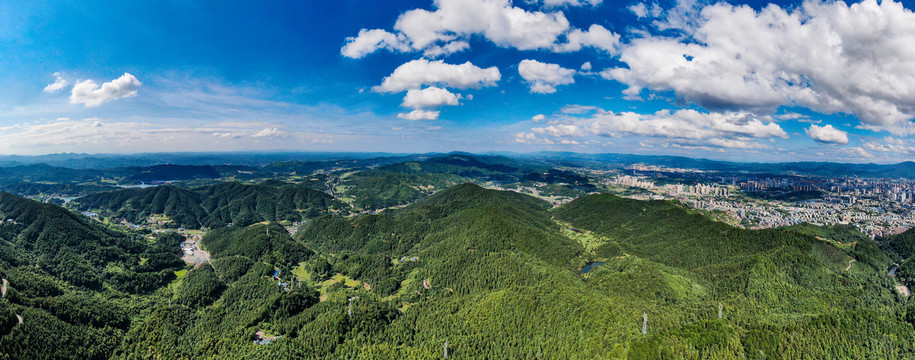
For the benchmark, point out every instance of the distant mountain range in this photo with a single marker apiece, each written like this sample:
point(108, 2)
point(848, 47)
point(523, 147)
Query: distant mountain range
point(151, 167)
point(109, 161)
point(903, 169)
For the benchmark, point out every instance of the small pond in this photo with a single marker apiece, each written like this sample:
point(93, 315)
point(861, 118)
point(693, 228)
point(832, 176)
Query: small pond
point(590, 267)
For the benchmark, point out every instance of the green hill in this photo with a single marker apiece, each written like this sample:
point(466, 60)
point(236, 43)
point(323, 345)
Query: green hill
point(248, 204)
point(75, 283)
point(211, 206)
point(499, 275)
point(136, 205)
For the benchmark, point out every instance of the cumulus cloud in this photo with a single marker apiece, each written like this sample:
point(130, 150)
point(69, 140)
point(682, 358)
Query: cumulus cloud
point(538, 118)
point(448, 28)
point(369, 41)
point(417, 73)
point(827, 134)
point(889, 144)
point(597, 37)
point(683, 128)
point(531, 138)
point(267, 132)
point(641, 10)
point(544, 78)
point(58, 84)
point(429, 97)
point(419, 115)
point(685, 124)
point(586, 66)
point(827, 56)
point(446, 49)
point(560, 130)
point(88, 93)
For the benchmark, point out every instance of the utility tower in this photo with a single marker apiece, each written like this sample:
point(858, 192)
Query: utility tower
point(644, 323)
point(350, 310)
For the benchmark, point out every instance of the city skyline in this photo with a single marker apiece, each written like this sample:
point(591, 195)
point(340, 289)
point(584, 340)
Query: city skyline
point(738, 81)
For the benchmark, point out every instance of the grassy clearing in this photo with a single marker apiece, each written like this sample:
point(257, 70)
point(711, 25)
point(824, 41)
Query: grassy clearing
point(301, 273)
point(179, 277)
point(587, 239)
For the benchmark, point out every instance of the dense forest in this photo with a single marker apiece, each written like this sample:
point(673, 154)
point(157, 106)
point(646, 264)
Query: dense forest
point(212, 206)
point(482, 273)
point(74, 283)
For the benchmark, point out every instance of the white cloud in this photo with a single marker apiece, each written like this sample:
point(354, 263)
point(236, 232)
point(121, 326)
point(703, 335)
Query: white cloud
point(827, 56)
point(578, 109)
point(889, 144)
point(58, 84)
point(429, 97)
point(827, 134)
point(448, 28)
point(267, 132)
point(91, 135)
point(642, 11)
point(681, 128)
point(639, 9)
point(586, 66)
point(417, 73)
point(685, 124)
point(559, 3)
point(419, 115)
point(531, 138)
point(538, 118)
point(560, 130)
point(597, 37)
point(544, 78)
point(851, 153)
point(447, 49)
point(369, 41)
point(88, 93)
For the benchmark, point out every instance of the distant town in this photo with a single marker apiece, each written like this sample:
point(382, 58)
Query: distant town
point(876, 207)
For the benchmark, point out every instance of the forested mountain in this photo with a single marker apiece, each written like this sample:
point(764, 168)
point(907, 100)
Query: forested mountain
point(74, 283)
point(901, 248)
point(212, 206)
point(406, 182)
point(499, 275)
point(247, 204)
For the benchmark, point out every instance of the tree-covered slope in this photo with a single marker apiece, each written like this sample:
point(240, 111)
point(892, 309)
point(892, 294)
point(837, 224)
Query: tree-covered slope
point(498, 275)
point(136, 205)
point(782, 289)
point(74, 283)
point(247, 204)
point(212, 206)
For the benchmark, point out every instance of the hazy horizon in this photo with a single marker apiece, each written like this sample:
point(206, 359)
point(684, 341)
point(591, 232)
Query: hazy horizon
point(343, 154)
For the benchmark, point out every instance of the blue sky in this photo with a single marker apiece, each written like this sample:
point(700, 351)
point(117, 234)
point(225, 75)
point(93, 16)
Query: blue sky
point(749, 81)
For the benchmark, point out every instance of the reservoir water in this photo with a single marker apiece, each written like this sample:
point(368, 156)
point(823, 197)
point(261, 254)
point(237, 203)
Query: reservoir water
point(590, 267)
